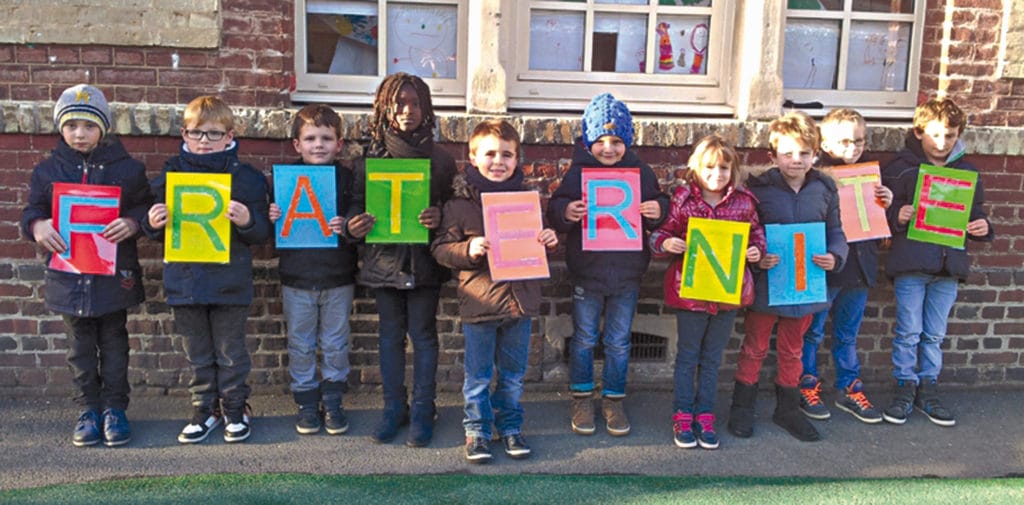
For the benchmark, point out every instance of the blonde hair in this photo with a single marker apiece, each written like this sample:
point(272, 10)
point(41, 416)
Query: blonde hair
point(939, 109)
point(795, 124)
point(208, 109)
point(717, 148)
point(497, 128)
point(843, 115)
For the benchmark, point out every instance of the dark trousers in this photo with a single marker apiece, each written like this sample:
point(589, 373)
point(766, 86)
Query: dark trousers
point(214, 341)
point(98, 359)
point(412, 312)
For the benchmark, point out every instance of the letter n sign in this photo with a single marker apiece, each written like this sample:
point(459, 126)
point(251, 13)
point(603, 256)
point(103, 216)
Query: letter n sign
point(80, 213)
point(198, 229)
point(715, 260)
point(612, 221)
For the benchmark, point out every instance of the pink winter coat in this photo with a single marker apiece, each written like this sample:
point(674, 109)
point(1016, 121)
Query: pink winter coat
point(739, 204)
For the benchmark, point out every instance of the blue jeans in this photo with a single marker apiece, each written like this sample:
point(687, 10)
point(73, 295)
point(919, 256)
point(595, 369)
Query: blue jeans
point(702, 339)
point(412, 311)
point(618, 312)
point(847, 312)
point(317, 315)
point(506, 343)
point(923, 303)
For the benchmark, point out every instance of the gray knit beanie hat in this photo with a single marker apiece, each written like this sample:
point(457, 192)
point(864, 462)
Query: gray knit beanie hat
point(82, 102)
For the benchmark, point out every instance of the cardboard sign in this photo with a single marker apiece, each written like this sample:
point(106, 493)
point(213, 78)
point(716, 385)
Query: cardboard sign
point(307, 195)
point(198, 229)
point(796, 280)
point(863, 216)
point(511, 224)
point(612, 221)
point(80, 213)
point(714, 262)
point(942, 205)
point(397, 191)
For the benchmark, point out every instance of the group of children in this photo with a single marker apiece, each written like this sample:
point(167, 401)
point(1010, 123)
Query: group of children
point(210, 301)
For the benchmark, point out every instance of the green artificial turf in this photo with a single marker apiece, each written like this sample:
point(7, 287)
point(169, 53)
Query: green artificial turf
point(503, 489)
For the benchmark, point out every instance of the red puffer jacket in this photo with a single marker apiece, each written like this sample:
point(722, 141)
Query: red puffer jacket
point(740, 205)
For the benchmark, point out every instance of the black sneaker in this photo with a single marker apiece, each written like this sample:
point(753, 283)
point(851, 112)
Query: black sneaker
point(516, 446)
point(116, 430)
point(928, 403)
point(236, 427)
point(477, 450)
point(852, 400)
point(203, 422)
point(810, 398)
point(307, 421)
point(902, 403)
point(87, 429)
point(335, 422)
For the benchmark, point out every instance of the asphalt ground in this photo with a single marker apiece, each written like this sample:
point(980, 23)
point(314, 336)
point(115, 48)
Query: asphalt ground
point(988, 441)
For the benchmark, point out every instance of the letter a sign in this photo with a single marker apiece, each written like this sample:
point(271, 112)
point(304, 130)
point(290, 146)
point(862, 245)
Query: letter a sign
point(307, 195)
point(198, 229)
point(612, 221)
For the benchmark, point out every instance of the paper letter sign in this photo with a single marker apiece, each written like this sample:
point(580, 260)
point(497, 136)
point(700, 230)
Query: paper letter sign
point(198, 229)
point(612, 221)
point(942, 204)
point(511, 224)
point(796, 279)
point(862, 215)
point(397, 190)
point(713, 266)
point(307, 195)
point(80, 213)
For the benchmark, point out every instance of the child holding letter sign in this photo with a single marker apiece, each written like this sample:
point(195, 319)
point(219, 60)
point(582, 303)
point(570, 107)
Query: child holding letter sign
point(712, 190)
point(94, 307)
point(211, 301)
point(604, 282)
point(926, 275)
point(405, 279)
point(791, 192)
point(495, 315)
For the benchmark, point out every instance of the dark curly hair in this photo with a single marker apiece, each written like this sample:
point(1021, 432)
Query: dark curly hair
point(386, 98)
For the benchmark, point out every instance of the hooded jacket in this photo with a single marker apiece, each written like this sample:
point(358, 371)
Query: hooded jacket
point(910, 256)
point(108, 164)
point(861, 268)
point(606, 272)
point(213, 283)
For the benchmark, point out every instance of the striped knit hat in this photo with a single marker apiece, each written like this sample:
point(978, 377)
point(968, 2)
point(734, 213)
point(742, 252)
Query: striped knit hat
point(607, 116)
point(82, 102)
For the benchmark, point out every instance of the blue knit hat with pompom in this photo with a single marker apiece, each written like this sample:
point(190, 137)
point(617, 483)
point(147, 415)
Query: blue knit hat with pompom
point(607, 116)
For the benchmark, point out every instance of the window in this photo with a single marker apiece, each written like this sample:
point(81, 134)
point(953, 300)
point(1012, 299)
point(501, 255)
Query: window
point(656, 55)
point(863, 54)
point(341, 57)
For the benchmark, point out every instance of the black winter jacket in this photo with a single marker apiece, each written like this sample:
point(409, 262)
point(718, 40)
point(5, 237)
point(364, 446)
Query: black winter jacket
point(213, 283)
point(606, 272)
point(110, 165)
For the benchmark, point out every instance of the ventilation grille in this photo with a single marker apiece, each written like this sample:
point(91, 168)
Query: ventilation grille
point(642, 347)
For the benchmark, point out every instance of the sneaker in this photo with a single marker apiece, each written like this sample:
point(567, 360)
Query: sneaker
point(902, 403)
point(87, 429)
point(682, 427)
point(705, 430)
point(928, 403)
point(810, 398)
point(477, 450)
point(203, 422)
point(236, 428)
point(583, 415)
point(335, 421)
point(116, 430)
point(516, 446)
point(615, 418)
point(307, 420)
point(852, 400)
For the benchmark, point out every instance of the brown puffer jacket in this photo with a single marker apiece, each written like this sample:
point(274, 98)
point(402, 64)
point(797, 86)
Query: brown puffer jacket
point(480, 298)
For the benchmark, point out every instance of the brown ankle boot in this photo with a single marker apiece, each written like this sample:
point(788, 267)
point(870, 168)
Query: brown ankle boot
point(615, 418)
point(583, 414)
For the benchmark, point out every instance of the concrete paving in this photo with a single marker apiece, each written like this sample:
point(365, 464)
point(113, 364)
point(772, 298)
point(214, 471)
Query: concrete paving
point(988, 441)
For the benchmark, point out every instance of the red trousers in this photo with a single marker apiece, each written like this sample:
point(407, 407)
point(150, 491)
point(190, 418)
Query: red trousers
point(789, 344)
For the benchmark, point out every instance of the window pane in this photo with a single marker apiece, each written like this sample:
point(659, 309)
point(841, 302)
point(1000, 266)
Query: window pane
point(630, 2)
point(688, 3)
point(556, 40)
point(816, 5)
point(682, 45)
point(619, 42)
point(341, 38)
point(423, 40)
point(890, 6)
point(878, 56)
point(811, 53)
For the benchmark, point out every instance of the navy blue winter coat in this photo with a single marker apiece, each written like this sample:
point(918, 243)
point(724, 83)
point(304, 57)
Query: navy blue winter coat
point(110, 165)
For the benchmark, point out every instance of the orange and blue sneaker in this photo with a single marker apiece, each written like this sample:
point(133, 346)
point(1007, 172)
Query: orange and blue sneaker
point(852, 400)
point(810, 398)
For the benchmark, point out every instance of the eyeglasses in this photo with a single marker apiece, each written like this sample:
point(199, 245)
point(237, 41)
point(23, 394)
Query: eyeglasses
point(212, 135)
point(844, 142)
